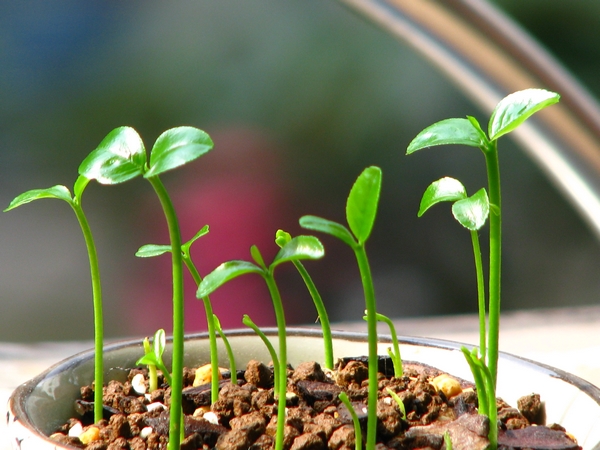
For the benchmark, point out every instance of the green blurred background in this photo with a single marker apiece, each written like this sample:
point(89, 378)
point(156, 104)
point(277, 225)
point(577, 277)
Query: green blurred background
point(299, 98)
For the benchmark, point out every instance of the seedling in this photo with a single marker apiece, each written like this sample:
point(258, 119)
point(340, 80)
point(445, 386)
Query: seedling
point(152, 374)
point(228, 349)
point(395, 353)
point(398, 401)
point(63, 193)
point(153, 359)
point(510, 112)
point(121, 156)
point(300, 247)
point(361, 209)
point(281, 239)
point(246, 320)
point(357, 431)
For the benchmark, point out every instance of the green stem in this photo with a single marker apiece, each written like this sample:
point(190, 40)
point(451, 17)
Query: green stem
point(212, 337)
point(480, 294)
point(246, 320)
point(282, 373)
point(98, 315)
point(321, 311)
point(229, 350)
point(369, 292)
point(152, 376)
point(175, 428)
point(395, 355)
point(357, 432)
point(493, 173)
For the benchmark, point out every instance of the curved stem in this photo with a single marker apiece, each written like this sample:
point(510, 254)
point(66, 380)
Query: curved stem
point(480, 294)
point(369, 291)
point(246, 320)
point(98, 315)
point(175, 428)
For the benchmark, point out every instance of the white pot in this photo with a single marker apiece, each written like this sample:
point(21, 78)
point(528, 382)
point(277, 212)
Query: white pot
point(39, 406)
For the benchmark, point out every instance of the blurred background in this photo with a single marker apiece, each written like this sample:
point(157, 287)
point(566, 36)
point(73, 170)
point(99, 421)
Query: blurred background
point(299, 97)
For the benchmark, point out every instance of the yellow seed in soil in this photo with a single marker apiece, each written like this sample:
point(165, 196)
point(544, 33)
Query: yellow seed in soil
point(204, 375)
point(199, 412)
point(448, 385)
point(89, 435)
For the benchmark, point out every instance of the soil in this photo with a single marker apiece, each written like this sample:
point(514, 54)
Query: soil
point(245, 415)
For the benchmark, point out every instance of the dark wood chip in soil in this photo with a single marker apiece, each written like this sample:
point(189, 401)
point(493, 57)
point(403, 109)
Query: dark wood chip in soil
point(315, 419)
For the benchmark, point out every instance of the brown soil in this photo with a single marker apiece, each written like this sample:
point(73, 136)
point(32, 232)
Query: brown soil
point(316, 419)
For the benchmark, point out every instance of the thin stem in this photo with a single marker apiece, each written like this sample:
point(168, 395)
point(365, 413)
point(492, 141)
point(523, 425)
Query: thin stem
point(395, 354)
point(229, 350)
point(282, 373)
point(98, 315)
point(212, 337)
point(246, 320)
point(152, 376)
point(369, 292)
point(480, 294)
point(493, 173)
point(321, 311)
point(357, 432)
point(175, 428)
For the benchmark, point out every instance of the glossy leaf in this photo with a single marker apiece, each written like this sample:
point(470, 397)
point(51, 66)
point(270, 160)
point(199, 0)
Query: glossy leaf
point(120, 156)
point(59, 192)
point(80, 185)
point(300, 247)
point(515, 108)
point(282, 238)
point(443, 190)
point(257, 257)
point(448, 131)
point(361, 207)
point(224, 273)
point(150, 250)
point(176, 147)
point(473, 211)
point(185, 248)
point(159, 342)
point(328, 227)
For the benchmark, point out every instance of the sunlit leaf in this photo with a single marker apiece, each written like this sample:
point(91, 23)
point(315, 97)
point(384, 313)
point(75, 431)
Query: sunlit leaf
point(300, 247)
point(176, 147)
point(282, 238)
point(120, 156)
point(150, 250)
point(472, 212)
point(448, 131)
point(361, 207)
point(224, 273)
point(443, 190)
point(329, 227)
point(79, 187)
point(515, 108)
point(159, 342)
point(59, 192)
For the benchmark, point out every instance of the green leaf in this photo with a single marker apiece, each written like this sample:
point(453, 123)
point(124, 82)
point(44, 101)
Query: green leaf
point(80, 185)
point(282, 238)
point(176, 147)
point(222, 274)
point(185, 248)
point(329, 227)
point(120, 156)
point(361, 207)
point(472, 212)
point(443, 190)
point(448, 131)
point(148, 358)
point(515, 108)
point(59, 192)
point(150, 250)
point(300, 247)
point(159, 342)
point(257, 257)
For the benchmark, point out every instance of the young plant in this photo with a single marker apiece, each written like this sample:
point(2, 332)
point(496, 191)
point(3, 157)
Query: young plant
point(150, 250)
point(281, 239)
point(153, 359)
point(300, 247)
point(63, 193)
point(508, 114)
point(357, 431)
point(121, 156)
point(246, 320)
point(228, 349)
point(395, 352)
point(361, 209)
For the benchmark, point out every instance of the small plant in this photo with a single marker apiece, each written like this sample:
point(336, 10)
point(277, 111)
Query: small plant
point(361, 209)
point(300, 247)
point(394, 353)
point(355, 422)
point(153, 359)
point(471, 212)
point(63, 193)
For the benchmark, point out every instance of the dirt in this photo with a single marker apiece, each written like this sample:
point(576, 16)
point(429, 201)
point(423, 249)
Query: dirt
point(245, 415)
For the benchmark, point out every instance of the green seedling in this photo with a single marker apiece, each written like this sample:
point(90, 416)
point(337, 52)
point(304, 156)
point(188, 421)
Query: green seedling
point(228, 349)
point(63, 193)
point(246, 320)
point(398, 401)
point(395, 352)
point(121, 156)
point(361, 209)
point(153, 359)
point(298, 248)
point(357, 431)
point(281, 239)
point(150, 250)
point(508, 114)
point(447, 440)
